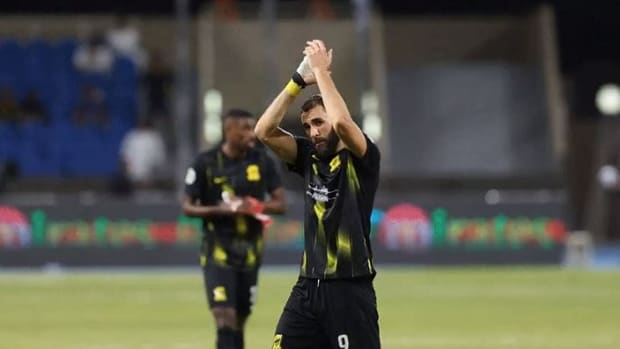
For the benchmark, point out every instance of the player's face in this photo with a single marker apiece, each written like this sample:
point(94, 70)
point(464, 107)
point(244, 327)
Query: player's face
point(240, 133)
point(320, 131)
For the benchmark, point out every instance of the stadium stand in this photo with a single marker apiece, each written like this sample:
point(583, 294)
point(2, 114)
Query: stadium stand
point(60, 147)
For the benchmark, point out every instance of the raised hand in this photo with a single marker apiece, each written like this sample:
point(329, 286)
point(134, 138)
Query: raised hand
point(305, 72)
point(318, 56)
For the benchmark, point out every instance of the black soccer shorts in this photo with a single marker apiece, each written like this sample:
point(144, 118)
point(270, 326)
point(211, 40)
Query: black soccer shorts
point(229, 287)
point(337, 314)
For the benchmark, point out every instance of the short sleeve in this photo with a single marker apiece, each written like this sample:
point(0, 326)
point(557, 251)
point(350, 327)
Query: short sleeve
point(194, 179)
point(273, 180)
point(372, 157)
point(304, 147)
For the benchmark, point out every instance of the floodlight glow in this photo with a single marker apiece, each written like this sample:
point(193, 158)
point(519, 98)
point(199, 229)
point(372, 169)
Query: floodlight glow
point(212, 124)
point(608, 99)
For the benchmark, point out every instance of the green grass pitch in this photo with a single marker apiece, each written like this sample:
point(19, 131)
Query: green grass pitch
point(433, 308)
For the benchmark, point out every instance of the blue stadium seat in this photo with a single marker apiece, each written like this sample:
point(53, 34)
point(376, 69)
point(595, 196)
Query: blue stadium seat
point(124, 70)
point(102, 81)
point(60, 148)
point(37, 159)
point(123, 110)
point(65, 91)
point(62, 59)
point(38, 70)
point(11, 52)
point(8, 142)
point(12, 66)
point(87, 153)
point(31, 131)
point(59, 113)
point(37, 154)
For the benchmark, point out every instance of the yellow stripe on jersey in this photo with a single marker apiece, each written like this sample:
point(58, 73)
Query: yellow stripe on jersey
point(259, 245)
point(332, 262)
point(219, 255)
point(344, 244)
point(343, 249)
point(242, 225)
point(334, 164)
point(228, 188)
point(354, 184)
point(332, 259)
point(250, 260)
point(319, 211)
point(303, 262)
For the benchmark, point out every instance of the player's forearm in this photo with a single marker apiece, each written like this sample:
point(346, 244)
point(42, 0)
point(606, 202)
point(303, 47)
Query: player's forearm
point(335, 106)
point(274, 207)
point(267, 125)
point(193, 210)
point(276, 204)
point(338, 115)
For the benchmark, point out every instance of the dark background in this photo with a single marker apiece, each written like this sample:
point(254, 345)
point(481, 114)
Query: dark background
point(587, 30)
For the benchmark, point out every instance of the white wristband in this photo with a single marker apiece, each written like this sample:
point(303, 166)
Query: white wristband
point(304, 68)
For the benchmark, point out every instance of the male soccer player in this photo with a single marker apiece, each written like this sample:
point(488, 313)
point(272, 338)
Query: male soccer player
point(229, 187)
point(333, 303)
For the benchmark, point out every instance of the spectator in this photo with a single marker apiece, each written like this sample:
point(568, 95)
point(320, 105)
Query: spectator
point(143, 154)
point(609, 179)
point(32, 108)
point(125, 39)
point(9, 109)
point(91, 108)
point(94, 56)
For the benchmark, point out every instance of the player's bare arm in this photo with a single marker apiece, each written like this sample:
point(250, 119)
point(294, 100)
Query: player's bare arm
point(338, 114)
point(267, 128)
point(276, 204)
point(193, 208)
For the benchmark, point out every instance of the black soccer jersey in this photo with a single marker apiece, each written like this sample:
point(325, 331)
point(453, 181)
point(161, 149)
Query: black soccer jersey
point(231, 240)
point(339, 196)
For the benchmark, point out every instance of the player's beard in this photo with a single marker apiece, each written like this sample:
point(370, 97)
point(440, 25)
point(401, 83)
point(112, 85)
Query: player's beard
point(330, 146)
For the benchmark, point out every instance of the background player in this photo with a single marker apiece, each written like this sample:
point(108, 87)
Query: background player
point(227, 187)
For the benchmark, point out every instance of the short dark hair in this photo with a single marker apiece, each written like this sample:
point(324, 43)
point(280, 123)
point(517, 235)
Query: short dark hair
point(312, 102)
point(237, 113)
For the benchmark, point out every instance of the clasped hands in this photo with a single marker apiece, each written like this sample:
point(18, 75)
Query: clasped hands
point(316, 58)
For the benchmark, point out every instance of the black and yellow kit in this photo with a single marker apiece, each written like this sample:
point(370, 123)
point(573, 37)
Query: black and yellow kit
point(333, 304)
point(339, 195)
point(230, 244)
